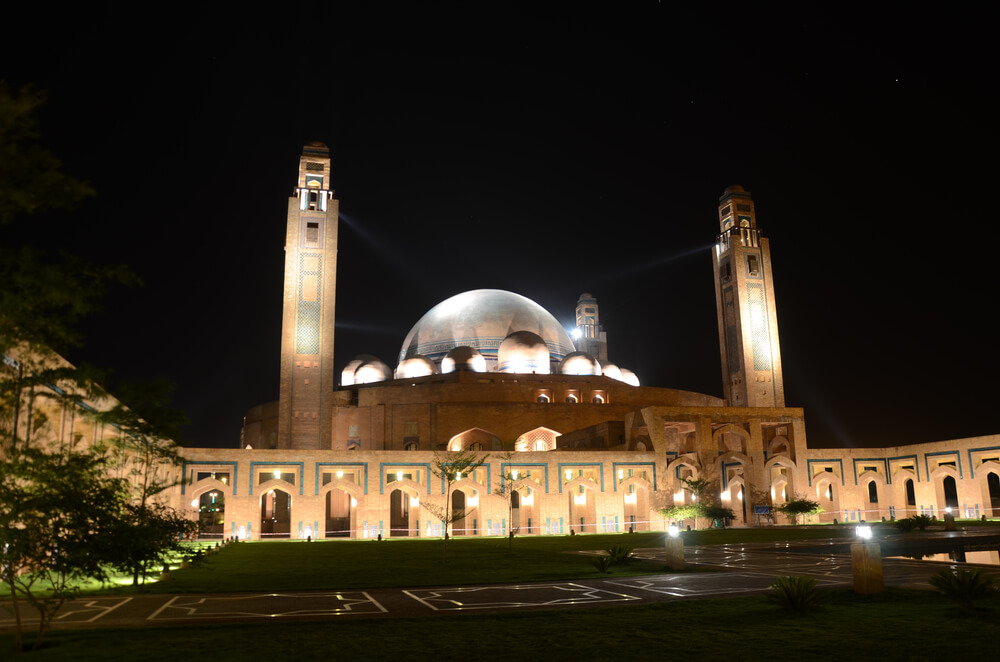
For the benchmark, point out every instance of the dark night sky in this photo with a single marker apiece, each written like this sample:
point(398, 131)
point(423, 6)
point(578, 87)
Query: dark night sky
point(548, 156)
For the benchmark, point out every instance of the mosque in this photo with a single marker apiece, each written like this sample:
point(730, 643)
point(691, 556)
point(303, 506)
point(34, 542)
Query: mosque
point(587, 448)
point(582, 444)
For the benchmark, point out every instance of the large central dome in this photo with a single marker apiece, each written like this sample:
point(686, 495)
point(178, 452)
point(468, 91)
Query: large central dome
point(481, 319)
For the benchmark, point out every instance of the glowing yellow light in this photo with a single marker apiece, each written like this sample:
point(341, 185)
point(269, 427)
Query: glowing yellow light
point(569, 474)
point(673, 531)
point(580, 499)
point(194, 503)
point(528, 500)
point(513, 474)
point(725, 495)
point(340, 474)
point(474, 501)
point(277, 473)
point(414, 502)
point(679, 496)
point(630, 498)
point(772, 492)
point(739, 495)
point(458, 475)
point(354, 502)
point(399, 475)
point(224, 480)
point(621, 474)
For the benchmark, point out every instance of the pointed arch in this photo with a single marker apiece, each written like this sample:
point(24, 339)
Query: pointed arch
point(539, 439)
point(476, 439)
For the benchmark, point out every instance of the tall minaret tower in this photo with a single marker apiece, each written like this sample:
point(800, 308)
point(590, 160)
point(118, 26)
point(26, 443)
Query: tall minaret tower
point(305, 407)
point(744, 293)
point(590, 336)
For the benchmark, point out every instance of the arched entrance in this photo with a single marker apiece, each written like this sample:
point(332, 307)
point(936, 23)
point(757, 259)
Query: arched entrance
point(582, 509)
point(459, 526)
point(339, 514)
point(212, 515)
point(399, 514)
point(275, 515)
point(993, 492)
point(950, 488)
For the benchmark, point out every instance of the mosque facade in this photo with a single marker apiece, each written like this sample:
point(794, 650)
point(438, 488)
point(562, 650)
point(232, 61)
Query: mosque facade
point(581, 443)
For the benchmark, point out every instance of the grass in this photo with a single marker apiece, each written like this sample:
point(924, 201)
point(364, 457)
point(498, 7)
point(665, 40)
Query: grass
point(897, 625)
point(346, 564)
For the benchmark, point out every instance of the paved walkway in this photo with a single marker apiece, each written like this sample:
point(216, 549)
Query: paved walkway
point(746, 569)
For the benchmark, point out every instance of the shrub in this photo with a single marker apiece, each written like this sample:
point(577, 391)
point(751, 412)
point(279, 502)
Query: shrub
point(964, 586)
point(922, 521)
point(602, 563)
point(905, 525)
point(619, 554)
point(796, 594)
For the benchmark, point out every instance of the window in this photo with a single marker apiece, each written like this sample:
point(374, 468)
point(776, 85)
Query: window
point(753, 266)
point(872, 492)
point(312, 233)
point(571, 399)
point(542, 399)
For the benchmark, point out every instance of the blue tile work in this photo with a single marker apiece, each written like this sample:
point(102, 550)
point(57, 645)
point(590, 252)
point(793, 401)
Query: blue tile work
point(309, 312)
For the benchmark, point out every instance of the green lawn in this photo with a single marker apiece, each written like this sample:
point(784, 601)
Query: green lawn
point(343, 564)
point(898, 625)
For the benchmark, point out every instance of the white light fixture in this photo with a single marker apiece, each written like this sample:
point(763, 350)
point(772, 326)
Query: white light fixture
point(569, 474)
point(340, 474)
point(528, 500)
point(726, 495)
point(580, 499)
point(673, 531)
point(458, 475)
point(414, 502)
point(621, 474)
point(354, 502)
point(399, 475)
point(630, 498)
point(513, 474)
point(865, 532)
point(474, 501)
point(679, 497)
point(739, 495)
point(194, 503)
point(277, 473)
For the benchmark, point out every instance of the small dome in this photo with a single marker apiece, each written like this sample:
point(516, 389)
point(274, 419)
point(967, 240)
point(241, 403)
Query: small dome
point(347, 375)
point(579, 363)
point(609, 369)
point(523, 352)
point(463, 358)
point(629, 377)
point(415, 366)
point(735, 188)
point(372, 371)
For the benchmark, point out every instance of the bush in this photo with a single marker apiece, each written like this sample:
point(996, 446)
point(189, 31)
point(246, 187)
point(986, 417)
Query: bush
point(796, 594)
point(922, 521)
point(619, 554)
point(964, 586)
point(602, 563)
point(905, 525)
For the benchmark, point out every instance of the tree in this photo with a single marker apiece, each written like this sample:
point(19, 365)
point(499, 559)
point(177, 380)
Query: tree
point(450, 468)
point(799, 506)
point(699, 489)
point(506, 492)
point(147, 458)
point(59, 518)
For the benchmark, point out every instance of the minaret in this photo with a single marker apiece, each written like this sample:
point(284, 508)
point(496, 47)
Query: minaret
point(591, 338)
point(305, 407)
point(744, 293)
